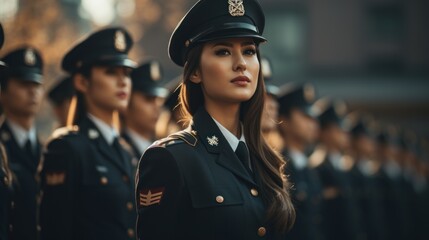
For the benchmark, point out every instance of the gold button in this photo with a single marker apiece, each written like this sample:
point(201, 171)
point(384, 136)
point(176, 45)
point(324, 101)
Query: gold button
point(219, 199)
point(125, 178)
point(254, 192)
point(130, 232)
point(262, 231)
point(130, 206)
point(104, 180)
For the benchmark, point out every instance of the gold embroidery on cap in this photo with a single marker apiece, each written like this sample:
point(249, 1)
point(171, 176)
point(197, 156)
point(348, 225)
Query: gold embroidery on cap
point(236, 8)
point(120, 43)
point(29, 57)
point(155, 71)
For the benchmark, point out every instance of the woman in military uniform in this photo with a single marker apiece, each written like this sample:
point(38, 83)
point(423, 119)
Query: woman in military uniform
point(87, 179)
point(217, 179)
point(5, 176)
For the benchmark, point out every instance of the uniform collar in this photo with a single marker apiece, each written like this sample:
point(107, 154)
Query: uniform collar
point(21, 135)
point(231, 138)
point(298, 158)
point(139, 141)
point(107, 131)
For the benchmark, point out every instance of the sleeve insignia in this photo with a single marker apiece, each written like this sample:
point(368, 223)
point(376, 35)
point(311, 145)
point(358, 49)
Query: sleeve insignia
point(148, 197)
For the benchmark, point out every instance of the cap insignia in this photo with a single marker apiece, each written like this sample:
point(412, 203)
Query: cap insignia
point(120, 43)
point(29, 57)
point(236, 8)
point(155, 71)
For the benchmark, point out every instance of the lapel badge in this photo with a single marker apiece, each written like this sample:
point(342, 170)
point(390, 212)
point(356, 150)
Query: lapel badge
point(120, 43)
point(148, 197)
point(213, 141)
point(236, 8)
point(5, 136)
point(93, 134)
point(29, 57)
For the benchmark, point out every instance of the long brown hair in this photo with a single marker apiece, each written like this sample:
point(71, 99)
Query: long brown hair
point(270, 167)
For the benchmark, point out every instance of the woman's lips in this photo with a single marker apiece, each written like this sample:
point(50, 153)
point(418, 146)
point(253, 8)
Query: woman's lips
point(122, 95)
point(241, 80)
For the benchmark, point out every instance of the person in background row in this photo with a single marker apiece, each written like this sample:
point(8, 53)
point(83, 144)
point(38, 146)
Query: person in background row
point(169, 121)
point(269, 119)
point(218, 179)
point(60, 96)
point(21, 98)
point(364, 176)
point(299, 129)
point(144, 109)
point(6, 191)
point(86, 175)
point(341, 219)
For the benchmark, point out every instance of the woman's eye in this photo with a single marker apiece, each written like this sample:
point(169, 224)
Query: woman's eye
point(222, 52)
point(250, 52)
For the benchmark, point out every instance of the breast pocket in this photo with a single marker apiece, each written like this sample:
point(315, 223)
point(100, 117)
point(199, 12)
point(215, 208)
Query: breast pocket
point(215, 196)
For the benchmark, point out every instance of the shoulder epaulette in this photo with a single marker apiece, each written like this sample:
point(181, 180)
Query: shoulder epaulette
point(60, 132)
point(189, 138)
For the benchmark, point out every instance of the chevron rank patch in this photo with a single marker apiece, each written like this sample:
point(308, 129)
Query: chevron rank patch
point(148, 197)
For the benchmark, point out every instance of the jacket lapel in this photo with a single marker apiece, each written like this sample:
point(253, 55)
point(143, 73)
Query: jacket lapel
point(88, 128)
point(214, 141)
point(15, 153)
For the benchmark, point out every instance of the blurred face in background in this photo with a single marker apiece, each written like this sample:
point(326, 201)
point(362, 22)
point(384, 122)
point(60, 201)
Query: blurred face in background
point(364, 146)
point(270, 114)
point(107, 88)
point(21, 98)
point(143, 112)
point(335, 137)
point(302, 127)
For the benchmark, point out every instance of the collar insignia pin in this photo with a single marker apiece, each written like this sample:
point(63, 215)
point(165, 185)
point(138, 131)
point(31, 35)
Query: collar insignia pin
point(93, 134)
point(236, 8)
point(213, 141)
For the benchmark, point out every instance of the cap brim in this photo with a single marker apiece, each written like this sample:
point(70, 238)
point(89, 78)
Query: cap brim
point(220, 35)
point(123, 62)
point(155, 92)
point(30, 77)
point(2, 65)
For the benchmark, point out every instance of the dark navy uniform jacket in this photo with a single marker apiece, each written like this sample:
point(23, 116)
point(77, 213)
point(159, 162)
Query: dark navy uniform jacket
point(5, 195)
point(88, 189)
point(26, 188)
point(307, 199)
point(192, 186)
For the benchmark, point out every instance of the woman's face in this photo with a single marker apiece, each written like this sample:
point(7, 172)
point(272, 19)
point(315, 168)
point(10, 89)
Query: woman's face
point(228, 71)
point(109, 87)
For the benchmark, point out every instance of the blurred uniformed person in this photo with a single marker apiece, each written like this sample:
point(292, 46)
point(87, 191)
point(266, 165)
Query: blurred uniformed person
point(218, 179)
point(60, 96)
point(5, 175)
point(86, 176)
point(341, 218)
point(269, 119)
point(299, 129)
point(145, 107)
point(364, 176)
point(21, 98)
point(169, 121)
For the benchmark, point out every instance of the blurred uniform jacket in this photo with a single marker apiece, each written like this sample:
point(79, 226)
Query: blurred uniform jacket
point(192, 186)
point(307, 199)
point(6, 195)
point(88, 188)
point(26, 188)
point(341, 218)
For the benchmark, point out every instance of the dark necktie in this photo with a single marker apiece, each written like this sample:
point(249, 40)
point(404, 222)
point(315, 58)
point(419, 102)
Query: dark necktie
point(117, 148)
point(29, 148)
point(243, 154)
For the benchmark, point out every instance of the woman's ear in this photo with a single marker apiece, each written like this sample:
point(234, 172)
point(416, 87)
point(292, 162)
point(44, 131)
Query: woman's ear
point(196, 77)
point(80, 83)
